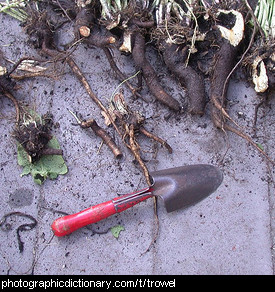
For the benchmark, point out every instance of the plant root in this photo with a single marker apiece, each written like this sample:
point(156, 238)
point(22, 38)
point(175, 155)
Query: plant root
point(47, 47)
point(120, 75)
point(225, 127)
point(224, 62)
point(135, 149)
point(31, 133)
point(81, 77)
point(51, 151)
point(157, 139)
point(84, 20)
point(175, 60)
point(100, 132)
point(6, 86)
point(257, 107)
point(86, 28)
point(132, 123)
point(103, 135)
point(150, 75)
point(97, 39)
point(223, 67)
point(15, 102)
point(33, 136)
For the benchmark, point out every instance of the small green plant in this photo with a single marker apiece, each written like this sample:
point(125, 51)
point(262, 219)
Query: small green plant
point(15, 8)
point(265, 13)
point(116, 230)
point(48, 166)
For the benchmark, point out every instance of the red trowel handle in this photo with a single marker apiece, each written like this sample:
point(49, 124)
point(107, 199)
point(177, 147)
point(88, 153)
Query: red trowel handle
point(68, 224)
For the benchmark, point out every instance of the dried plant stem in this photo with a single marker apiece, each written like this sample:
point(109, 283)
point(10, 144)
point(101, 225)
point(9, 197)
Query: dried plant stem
point(135, 148)
point(100, 132)
point(51, 151)
point(156, 138)
point(119, 74)
point(31, 75)
point(81, 77)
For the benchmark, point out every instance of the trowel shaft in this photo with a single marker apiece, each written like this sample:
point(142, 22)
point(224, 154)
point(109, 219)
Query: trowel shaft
point(68, 224)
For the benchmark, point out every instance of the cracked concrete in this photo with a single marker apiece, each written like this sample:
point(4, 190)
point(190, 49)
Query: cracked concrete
point(230, 232)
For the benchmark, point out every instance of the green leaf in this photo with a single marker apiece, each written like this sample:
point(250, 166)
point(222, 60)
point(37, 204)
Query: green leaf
point(15, 8)
point(116, 230)
point(48, 166)
point(260, 146)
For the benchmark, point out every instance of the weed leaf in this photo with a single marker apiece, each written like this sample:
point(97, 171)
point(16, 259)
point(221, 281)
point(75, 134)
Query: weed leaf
point(48, 166)
point(116, 230)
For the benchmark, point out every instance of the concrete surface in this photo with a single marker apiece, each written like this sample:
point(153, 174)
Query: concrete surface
point(230, 232)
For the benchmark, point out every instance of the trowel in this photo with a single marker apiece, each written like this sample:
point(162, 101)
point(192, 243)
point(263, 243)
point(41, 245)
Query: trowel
point(179, 188)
